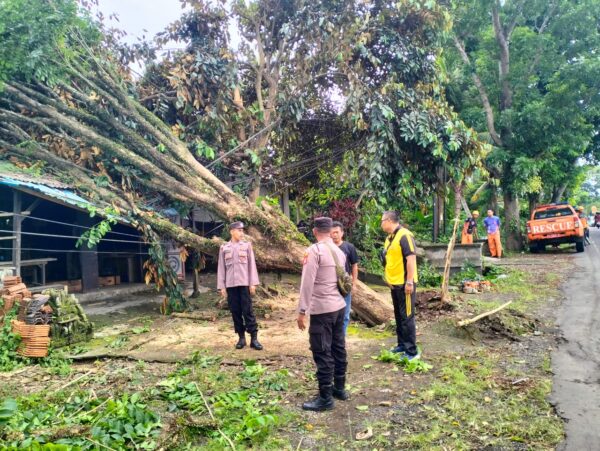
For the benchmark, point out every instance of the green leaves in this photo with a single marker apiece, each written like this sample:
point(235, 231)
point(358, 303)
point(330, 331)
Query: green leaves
point(118, 423)
point(32, 32)
point(547, 110)
point(8, 408)
point(9, 342)
point(94, 235)
point(409, 366)
point(203, 150)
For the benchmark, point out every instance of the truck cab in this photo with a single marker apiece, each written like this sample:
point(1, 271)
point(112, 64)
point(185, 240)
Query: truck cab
point(554, 224)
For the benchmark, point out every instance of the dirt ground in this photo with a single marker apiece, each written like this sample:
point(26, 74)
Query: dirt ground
point(383, 397)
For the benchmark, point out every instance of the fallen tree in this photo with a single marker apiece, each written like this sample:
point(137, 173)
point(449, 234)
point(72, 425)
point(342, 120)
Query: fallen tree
point(68, 108)
point(74, 115)
point(84, 127)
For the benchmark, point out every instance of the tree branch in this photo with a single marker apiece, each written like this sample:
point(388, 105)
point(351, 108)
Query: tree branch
point(541, 30)
point(501, 39)
point(487, 107)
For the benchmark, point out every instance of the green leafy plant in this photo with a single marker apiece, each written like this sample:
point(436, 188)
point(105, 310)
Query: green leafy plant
point(56, 362)
point(408, 366)
point(428, 275)
point(492, 272)
point(467, 272)
point(7, 410)
point(80, 421)
point(119, 342)
point(202, 361)
point(127, 422)
point(252, 371)
point(95, 234)
point(140, 330)
point(9, 342)
point(277, 381)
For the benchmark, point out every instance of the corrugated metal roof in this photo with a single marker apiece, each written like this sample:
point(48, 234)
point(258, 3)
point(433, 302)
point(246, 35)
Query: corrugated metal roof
point(61, 194)
point(59, 191)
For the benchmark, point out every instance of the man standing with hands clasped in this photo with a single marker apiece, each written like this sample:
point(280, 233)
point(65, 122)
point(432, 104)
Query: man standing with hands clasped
point(321, 298)
point(237, 278)
point(400, 263)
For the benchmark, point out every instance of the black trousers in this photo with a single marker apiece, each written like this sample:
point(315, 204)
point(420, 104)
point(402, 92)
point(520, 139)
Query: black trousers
point(404, 312)
point(328, 345)
point(240, 305)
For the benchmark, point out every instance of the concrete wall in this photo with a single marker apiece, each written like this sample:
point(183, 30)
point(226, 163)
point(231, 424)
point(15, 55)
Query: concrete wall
point(472, 253)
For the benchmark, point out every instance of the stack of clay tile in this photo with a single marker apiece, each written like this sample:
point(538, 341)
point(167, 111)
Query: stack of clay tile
point(14, 290)
point(34, 336)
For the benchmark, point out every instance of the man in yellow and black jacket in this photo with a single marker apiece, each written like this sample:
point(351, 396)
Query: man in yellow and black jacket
point(400, 273)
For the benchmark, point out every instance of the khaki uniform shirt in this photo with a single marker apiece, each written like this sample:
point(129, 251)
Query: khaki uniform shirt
point(237, 267)
point(318, 290)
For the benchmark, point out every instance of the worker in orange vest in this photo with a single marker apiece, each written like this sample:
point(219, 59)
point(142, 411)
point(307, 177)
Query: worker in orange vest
point(469, 228)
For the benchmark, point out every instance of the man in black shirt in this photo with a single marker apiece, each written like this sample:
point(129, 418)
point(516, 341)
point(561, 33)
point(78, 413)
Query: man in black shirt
point(337, 235)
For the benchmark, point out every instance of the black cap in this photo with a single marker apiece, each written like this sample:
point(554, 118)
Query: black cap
point(236, 225)
point(323, 224)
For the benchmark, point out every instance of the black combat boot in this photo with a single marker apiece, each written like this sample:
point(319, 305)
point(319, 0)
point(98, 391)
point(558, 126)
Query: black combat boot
point(241, 342)
point(322, 402)
point(254, 341)
point(339, 388)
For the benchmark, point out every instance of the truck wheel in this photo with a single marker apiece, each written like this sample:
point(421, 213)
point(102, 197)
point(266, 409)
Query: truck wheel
point(533, 248)
point(579, 246)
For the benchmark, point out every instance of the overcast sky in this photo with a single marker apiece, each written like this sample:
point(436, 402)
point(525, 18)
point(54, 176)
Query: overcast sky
point(137, 15)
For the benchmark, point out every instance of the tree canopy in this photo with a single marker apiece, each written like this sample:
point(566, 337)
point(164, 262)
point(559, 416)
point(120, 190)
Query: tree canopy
point(522, 72)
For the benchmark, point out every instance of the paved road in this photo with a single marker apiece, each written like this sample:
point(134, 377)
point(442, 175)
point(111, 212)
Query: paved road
point(576, 362)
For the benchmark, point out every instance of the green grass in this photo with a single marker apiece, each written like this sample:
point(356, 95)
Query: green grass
point(529, 291)
point(472, 405)
point(369, 333)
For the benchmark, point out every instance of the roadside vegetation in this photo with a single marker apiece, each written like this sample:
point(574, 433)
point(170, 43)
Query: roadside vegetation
point(473, 389)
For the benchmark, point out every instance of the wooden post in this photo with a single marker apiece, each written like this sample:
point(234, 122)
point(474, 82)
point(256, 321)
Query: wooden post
point(88, 258)
point(17, 220)
point(448, 262)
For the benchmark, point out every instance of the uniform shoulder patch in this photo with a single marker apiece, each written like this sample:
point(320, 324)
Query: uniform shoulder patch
point(305, 258)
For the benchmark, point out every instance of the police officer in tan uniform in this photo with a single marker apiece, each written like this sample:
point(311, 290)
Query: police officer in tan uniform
point(321, 298)
point(237, 278)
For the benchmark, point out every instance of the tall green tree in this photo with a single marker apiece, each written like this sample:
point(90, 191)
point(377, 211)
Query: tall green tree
point(522, 72)
point(379, 60)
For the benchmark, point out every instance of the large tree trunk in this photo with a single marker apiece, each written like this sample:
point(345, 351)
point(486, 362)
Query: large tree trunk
point(439, 199)
point(558, 192)
point(494, 198)
point(512, 222)
point(534, 200)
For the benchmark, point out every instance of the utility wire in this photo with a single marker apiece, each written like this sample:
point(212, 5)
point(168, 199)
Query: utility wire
point(75, 237)
point(67, 251)
point(242, 144)
point(67, 224)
